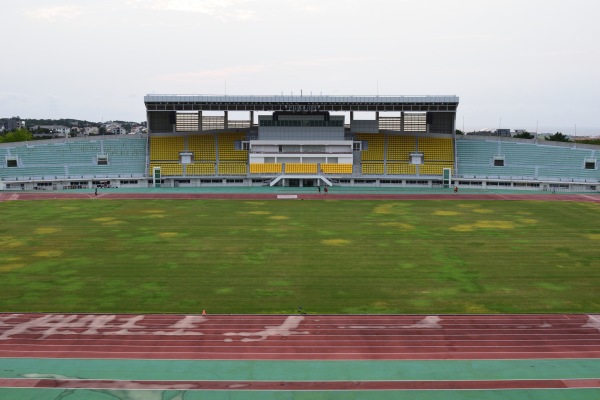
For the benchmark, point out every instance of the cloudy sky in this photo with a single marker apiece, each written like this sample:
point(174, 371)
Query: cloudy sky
point(513, 63)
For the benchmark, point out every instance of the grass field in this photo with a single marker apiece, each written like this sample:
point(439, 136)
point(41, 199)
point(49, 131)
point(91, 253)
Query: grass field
point(180, 256)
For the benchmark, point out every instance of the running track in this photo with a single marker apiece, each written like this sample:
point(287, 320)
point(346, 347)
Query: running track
point(359, 352)
point(295, 337)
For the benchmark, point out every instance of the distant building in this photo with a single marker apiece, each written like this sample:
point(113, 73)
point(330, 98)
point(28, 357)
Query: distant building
point(11, 124)
point(137, 129)
point(115, 129)
point(490, 132)
point(51, 130)
point(90, 130)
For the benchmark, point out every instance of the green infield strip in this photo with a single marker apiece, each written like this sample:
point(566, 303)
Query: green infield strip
point(111, 369)
point(536, 394)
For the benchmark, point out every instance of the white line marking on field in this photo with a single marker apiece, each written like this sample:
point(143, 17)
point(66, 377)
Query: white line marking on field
point(429, 322)
point(285, 329)
point(105, 325)
point(593, 322)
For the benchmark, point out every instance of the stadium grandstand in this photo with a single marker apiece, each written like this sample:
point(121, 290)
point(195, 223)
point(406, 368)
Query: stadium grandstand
point(299, 141)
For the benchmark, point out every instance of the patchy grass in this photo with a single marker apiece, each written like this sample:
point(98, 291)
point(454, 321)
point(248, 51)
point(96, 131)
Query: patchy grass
point(182, 256)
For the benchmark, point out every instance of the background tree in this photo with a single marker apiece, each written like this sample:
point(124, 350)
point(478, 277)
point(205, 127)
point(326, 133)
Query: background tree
point(524, 135)
point(558, 137)
point(19, 135)
point(459, 132)
point(589, 141)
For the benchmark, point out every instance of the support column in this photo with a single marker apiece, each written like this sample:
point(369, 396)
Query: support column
point(199, 121)
point(402, 121)
point(454, 147)
point(251, 119)
point(226, 120)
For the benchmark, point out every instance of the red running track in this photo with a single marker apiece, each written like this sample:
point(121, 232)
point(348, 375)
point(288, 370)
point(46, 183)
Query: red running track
point(295, 337)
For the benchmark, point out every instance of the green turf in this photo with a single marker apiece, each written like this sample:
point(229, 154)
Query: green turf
point(273, 256)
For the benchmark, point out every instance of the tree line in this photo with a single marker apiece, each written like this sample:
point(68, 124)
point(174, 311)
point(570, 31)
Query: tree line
point(18, 135)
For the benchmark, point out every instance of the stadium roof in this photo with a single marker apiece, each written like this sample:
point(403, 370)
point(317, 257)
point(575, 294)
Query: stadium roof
point(177, 102)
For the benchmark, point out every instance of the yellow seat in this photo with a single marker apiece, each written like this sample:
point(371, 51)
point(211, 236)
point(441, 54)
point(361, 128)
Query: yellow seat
point(168, 168)
point(300, 168)
point(400, 147)
point(166, 148)
point(436, 149)
point(336, 168)
point(232, 168)
point(227, 151)
point(433, 168)
point(267, 168)
point(203, 147)
point(401, 169)
point(372, 168)
point(375, 146)
point(200, 169)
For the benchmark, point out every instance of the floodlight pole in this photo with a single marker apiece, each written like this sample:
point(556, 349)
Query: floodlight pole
point(499, 127)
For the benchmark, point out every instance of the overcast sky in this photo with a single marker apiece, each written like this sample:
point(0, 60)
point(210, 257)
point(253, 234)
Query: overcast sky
point(513, 63)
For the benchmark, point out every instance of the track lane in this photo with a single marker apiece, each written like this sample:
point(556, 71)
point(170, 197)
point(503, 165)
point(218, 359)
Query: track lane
point(275, 337)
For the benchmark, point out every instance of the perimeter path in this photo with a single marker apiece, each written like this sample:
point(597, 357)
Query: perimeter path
point(279, 356)
point(114, 195)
